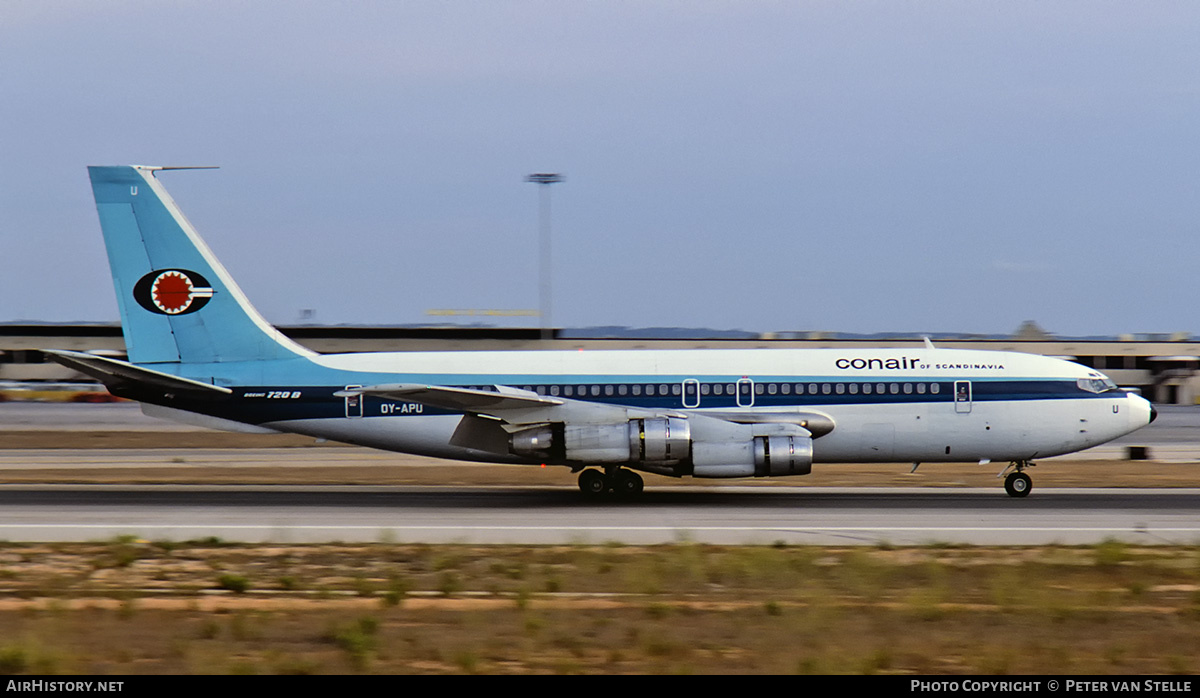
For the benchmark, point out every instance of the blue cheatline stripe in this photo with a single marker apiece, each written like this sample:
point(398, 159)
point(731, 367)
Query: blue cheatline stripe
point(307, 402)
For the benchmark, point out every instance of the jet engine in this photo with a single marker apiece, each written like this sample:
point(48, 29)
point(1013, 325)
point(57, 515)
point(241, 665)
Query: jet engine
point(666, 445)
point(762, 456)
point(657, 440)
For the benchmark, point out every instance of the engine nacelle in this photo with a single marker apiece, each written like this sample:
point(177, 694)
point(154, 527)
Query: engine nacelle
point(782, 455)
point(605, 443)
point(665, 445)
point(535, 442)
point(762, 456)
point(661, 440)
point(657, 441)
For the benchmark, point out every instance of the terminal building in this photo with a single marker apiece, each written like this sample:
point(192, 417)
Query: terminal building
point(1165, 368)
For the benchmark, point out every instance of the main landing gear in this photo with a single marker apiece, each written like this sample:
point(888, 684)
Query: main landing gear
point(621, 482)
point(1018, 484)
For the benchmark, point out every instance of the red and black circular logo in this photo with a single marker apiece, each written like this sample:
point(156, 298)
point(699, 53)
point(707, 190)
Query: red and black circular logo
point(172, 291)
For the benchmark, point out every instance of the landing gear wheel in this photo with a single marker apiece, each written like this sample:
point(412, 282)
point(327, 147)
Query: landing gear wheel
point(1018, 485)
point(627, 483)
point(593, 483)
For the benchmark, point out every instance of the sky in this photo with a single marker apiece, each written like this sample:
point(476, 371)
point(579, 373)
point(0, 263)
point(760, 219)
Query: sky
point(763, 166)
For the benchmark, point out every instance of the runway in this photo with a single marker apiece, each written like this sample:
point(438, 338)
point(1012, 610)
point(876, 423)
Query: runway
point(559, 515)
point(546, 508)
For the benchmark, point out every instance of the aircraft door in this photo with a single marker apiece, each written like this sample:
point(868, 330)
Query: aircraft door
point(354, 403)
point(745, 393)
point(691, 393)
point(962, 397)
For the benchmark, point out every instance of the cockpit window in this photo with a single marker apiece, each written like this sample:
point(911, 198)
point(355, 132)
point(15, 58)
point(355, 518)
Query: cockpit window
point(1096, 385)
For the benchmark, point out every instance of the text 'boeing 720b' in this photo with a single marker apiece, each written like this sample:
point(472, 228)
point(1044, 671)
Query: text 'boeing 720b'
point(200, 352)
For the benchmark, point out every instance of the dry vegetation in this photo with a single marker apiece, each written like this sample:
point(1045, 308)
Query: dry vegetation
point(138, 607)
point(130, 606)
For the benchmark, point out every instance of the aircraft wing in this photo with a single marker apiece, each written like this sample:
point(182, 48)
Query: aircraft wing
point(503, 398)
point(116, 375)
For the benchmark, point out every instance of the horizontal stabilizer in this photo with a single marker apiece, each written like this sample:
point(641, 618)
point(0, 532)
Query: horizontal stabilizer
point(116, 375)
point(459, 399)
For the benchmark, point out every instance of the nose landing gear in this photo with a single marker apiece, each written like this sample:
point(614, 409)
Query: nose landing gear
point(1018, 484)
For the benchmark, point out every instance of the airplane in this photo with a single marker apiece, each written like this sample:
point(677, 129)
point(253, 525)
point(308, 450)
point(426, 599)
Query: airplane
point(200, 353)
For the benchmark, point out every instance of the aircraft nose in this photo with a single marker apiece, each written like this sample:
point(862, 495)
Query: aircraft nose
point(1141, 412)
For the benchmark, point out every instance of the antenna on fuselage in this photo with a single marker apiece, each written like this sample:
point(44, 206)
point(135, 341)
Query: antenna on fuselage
point(928, 342)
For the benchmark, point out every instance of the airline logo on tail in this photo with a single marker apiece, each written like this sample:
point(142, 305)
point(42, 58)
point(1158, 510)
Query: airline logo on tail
point(172, 291)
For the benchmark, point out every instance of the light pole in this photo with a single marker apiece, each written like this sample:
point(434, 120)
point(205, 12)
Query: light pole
point(544, 180)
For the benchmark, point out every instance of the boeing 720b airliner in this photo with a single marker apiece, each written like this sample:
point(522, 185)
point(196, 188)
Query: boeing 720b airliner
point(199, 352)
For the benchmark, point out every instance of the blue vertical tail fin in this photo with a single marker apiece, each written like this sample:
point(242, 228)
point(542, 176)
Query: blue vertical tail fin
point(177, 302)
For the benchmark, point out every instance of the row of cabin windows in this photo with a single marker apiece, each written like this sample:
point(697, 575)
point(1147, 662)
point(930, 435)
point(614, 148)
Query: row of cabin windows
point(665, 389)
